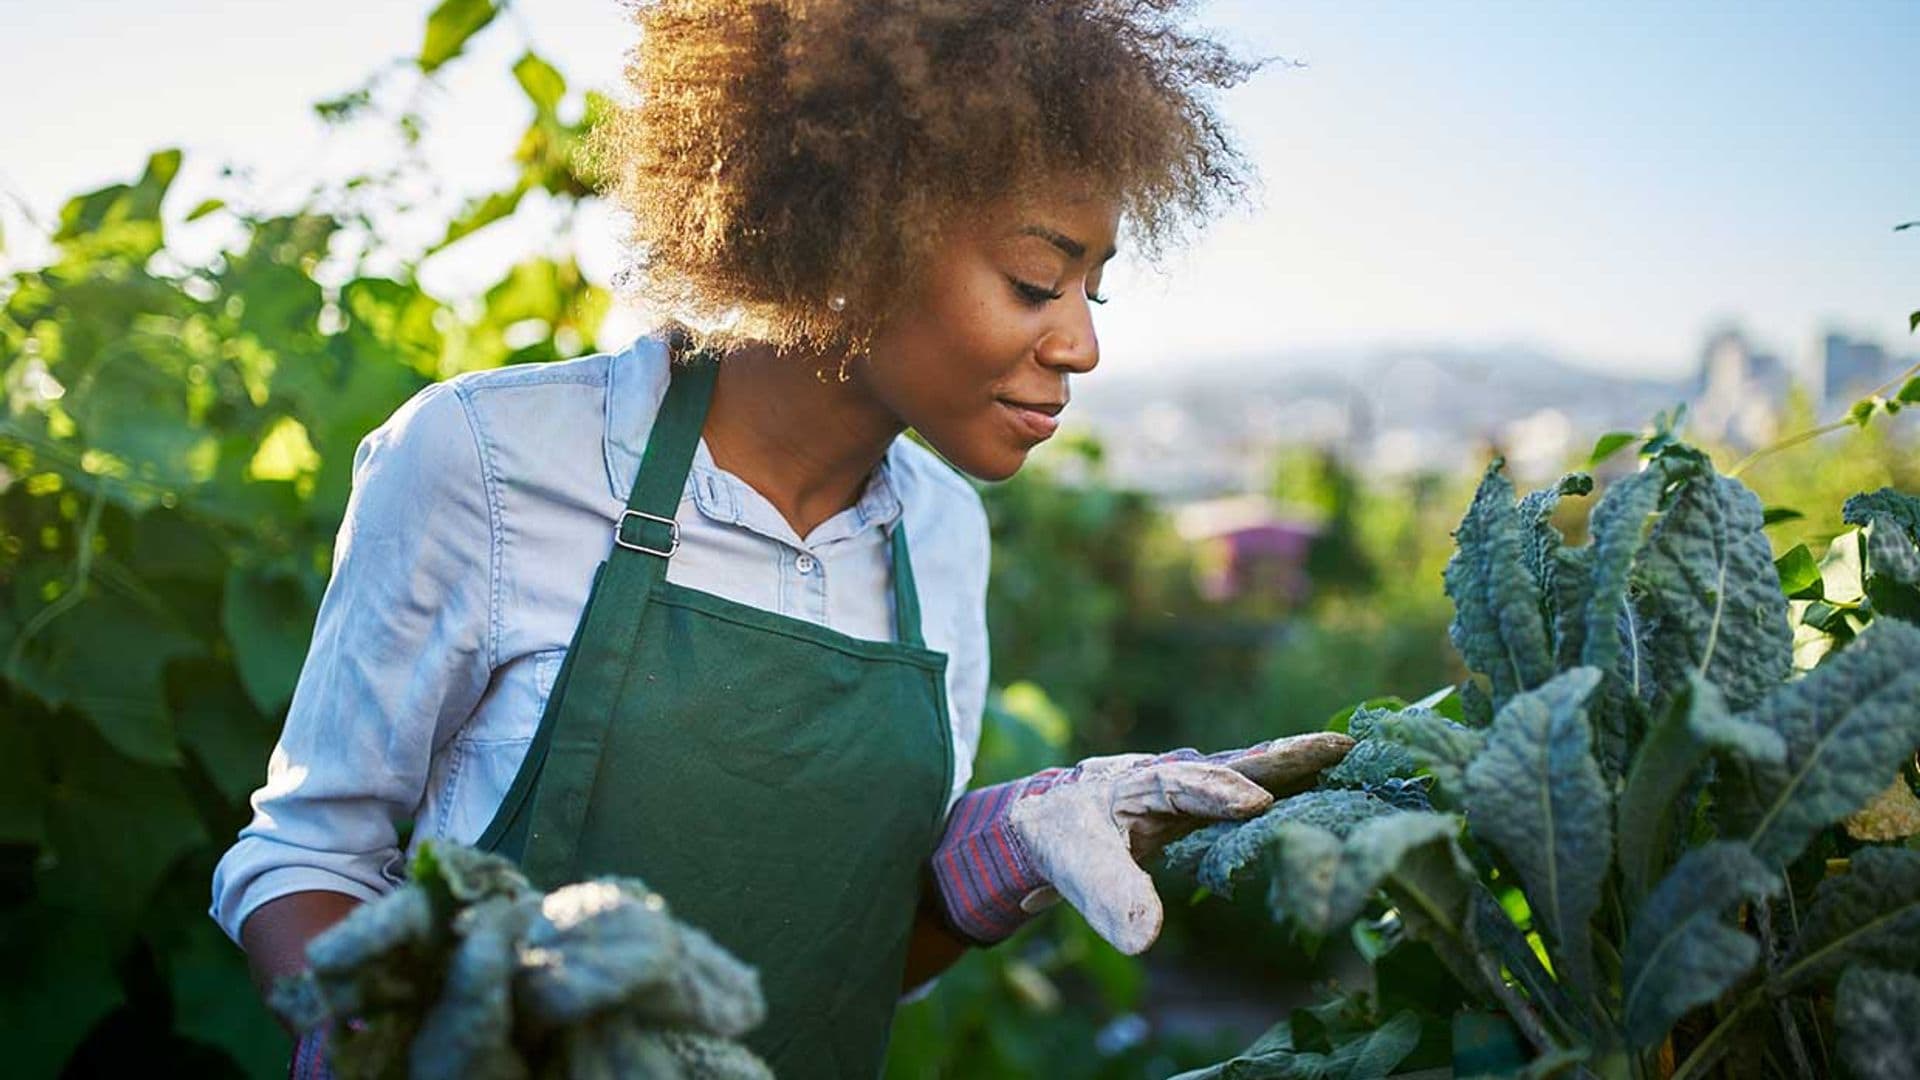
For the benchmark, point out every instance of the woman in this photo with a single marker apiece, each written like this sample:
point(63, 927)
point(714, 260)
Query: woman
point(766, 698)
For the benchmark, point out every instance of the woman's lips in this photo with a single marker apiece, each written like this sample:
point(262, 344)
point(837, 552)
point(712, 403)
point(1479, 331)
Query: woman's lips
point(1037, 420)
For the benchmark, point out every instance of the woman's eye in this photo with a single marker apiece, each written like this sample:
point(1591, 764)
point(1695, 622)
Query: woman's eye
point(1038, 295)
point(1034, 295)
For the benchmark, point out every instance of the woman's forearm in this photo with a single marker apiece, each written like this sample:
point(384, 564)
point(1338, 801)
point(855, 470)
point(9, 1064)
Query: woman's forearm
point(935, 946)
point(275, 935)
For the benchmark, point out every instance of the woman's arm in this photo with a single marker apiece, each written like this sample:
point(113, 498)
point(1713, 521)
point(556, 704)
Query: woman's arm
point(399, 657)
point(935, 946)
point(275, 935)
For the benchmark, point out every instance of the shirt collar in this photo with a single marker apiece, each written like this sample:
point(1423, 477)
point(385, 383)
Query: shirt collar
point(637, 380)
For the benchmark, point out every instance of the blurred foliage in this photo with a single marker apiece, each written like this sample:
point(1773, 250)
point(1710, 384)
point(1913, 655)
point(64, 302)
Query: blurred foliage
point(175, 451)
point(175, 454)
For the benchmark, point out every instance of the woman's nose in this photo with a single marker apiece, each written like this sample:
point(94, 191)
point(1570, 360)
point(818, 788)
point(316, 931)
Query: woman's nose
point(1072, 345)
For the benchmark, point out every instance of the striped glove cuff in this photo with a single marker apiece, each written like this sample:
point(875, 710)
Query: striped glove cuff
point(982, 872)
point(987, 882)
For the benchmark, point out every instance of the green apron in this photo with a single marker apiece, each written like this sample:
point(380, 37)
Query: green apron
point(780, 783)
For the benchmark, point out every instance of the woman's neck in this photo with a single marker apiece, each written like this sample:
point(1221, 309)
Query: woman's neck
point(804, 442)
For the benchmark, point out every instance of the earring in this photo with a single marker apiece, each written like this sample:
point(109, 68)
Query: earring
point(839, 376)
point(838, 302)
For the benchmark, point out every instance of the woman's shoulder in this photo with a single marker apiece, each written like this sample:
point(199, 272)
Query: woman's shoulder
point(599, 406)
point(590, 370)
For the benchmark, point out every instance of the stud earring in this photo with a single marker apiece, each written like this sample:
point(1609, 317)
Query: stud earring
point(837, 302)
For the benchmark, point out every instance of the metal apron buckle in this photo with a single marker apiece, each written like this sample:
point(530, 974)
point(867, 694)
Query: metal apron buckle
point(673, 534)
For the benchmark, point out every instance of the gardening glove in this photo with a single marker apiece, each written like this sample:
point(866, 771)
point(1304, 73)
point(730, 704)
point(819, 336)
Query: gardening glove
point(1013, 849)
point(310, 1057)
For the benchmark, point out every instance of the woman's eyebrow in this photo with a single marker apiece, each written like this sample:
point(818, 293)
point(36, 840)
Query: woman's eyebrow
point(1074, 248)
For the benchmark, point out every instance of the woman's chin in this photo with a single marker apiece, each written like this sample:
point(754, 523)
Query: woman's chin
point(989, 464)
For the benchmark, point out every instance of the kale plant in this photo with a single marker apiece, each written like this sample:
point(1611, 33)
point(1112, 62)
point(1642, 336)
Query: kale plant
point(467, 971)
point(1642, 834)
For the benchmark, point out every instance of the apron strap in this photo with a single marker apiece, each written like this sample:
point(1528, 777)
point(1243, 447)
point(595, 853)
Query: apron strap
point(643, 541)
point(906, 598)
point(647, 527)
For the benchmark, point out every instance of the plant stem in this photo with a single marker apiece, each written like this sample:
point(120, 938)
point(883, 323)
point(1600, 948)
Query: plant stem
point(1808, 436)
point(1782, 1007)
point(1492, 922)
point(1519, 1010)
point(1708, 1053)
point(1819, 1040)
point(1787, 444)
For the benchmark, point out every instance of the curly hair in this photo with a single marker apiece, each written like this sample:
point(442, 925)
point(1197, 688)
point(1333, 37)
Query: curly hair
point(776, 151)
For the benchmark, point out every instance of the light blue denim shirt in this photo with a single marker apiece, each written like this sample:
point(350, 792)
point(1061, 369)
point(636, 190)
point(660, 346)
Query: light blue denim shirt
point(478, 513)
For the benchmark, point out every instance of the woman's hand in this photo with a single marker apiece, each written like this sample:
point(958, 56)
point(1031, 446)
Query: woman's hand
point(1083, 833)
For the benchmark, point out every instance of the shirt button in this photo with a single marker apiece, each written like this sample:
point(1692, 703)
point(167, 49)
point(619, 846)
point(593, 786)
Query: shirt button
point(804, 563)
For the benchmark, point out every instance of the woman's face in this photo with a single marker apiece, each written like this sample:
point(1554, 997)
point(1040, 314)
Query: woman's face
point(978, 360)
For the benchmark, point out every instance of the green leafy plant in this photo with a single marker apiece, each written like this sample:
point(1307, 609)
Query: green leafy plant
point(1639, 832)
point(467, 971)
point(176, 442)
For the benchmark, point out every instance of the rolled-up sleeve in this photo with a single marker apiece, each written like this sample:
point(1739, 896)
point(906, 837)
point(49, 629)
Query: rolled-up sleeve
point(401, 653)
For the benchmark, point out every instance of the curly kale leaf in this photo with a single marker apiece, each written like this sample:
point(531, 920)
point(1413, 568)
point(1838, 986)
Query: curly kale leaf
point(468, 874)
point(616, 1047)
point(1898, 515)
point(1221, 853)
point(1619, 525)
point(1874, 1013)
point(593, 945)
point(468, 1030)
point(1847, 725)
point(1433, 742)
point(1607, 633)
point(612, 1047)
point(610, 944)
point(467, 971)
point(1560, 574)
point(1891, 549)
point(1536, 794)
point(1497, 623)
point(710, 990)
point(1868, 915)
point(1322, 881)
point(1371, 760)
point(1654, 807)
point(703, 1057)
point(1184, 855)
point(1681, 952)
point(1273, 1056)
point(1709, 595)
point(1404, 793)
point(1571, 583)
point(1476, 708)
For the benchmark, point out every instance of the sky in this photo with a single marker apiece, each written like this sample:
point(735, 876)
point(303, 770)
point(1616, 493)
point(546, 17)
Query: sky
point(1607, 181)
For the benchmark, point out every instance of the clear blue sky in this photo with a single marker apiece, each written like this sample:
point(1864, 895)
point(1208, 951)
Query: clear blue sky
point(1610, 180)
